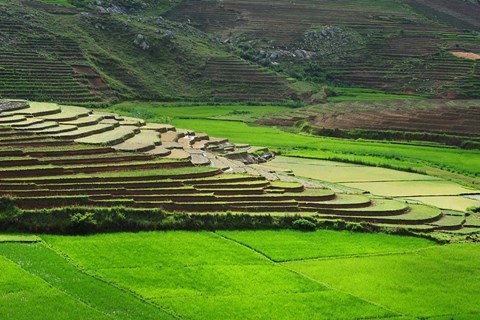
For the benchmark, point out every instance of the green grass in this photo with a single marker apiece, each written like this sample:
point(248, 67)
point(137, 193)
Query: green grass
point(293, 245)
point(161, 112)
point(205, 276)
point(24, 296)
point(239, 274)
point(360, 94)
point(104, 301)
point(18, 238)
point(441, 281)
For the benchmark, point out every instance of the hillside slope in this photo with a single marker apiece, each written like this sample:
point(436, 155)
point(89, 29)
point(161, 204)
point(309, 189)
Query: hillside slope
point(385, 44)
point(89, 52)
point(52, 52)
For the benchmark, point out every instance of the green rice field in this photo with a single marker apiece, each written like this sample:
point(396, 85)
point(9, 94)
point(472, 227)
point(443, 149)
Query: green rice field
point(238, 274)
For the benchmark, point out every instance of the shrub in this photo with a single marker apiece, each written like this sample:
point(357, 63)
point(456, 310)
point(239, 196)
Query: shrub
point(303, 225)
point(8, 210)
point(114, 216)
point(83, 222)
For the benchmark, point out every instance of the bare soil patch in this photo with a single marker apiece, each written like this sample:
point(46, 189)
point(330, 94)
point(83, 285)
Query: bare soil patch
point(466, 55)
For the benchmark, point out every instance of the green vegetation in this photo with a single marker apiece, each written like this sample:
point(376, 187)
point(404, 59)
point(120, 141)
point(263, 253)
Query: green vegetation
point(165, 112)
point(25, 296)
point(204, 276)
point(358, 94)
point(212, 53)
point(435, 282)
point(248, 274)
point(94, 297)
point(329, 274)
point(450, 163)
point(292, 245)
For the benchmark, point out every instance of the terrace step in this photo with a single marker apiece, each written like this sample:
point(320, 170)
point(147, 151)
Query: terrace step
point(142, 141)
point(416, 215)
point(111, 137)
point(85, 131)
point(162, 152)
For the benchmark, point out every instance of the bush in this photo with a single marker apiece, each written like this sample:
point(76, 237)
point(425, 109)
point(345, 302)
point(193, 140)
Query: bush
point(83, 222)
point(8, 210)
point(303, 225)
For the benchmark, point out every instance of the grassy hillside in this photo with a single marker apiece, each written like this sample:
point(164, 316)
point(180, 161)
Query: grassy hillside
point(391, 45)
point(93, 52)
point(59, 53)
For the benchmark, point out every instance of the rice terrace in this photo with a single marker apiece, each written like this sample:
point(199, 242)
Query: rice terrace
point(253, 159)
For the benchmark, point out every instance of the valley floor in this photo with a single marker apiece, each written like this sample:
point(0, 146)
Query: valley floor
point(237, 274)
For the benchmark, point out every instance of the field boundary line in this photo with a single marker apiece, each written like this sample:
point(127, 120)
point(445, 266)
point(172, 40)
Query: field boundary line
point(398, 314)
point(88, 305)
point(364, 255)
point(113, 284)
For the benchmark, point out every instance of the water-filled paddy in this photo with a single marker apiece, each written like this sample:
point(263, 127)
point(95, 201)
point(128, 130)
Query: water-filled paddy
point(460, 203)
point(332, 171)
point(412, 188)
point(384, 182)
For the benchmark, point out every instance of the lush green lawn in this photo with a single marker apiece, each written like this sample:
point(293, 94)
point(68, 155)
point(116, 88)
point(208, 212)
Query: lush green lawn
point(161, 112)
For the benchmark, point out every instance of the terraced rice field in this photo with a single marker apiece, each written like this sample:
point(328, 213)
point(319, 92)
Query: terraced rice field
point(38, 65)
point(235, 80)
point(383, 182)
point(339, 172)
point(124, 133)
point(412, 188)
point(460, 203)
point(58, 172)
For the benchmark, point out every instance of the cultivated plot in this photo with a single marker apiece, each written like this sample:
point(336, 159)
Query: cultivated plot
point(288, 245)
point(441, 281)
point(48, 284)
point(412, 188)
point(460, 203)
point(338, 172)
point(25, 296)
point(206, 276)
